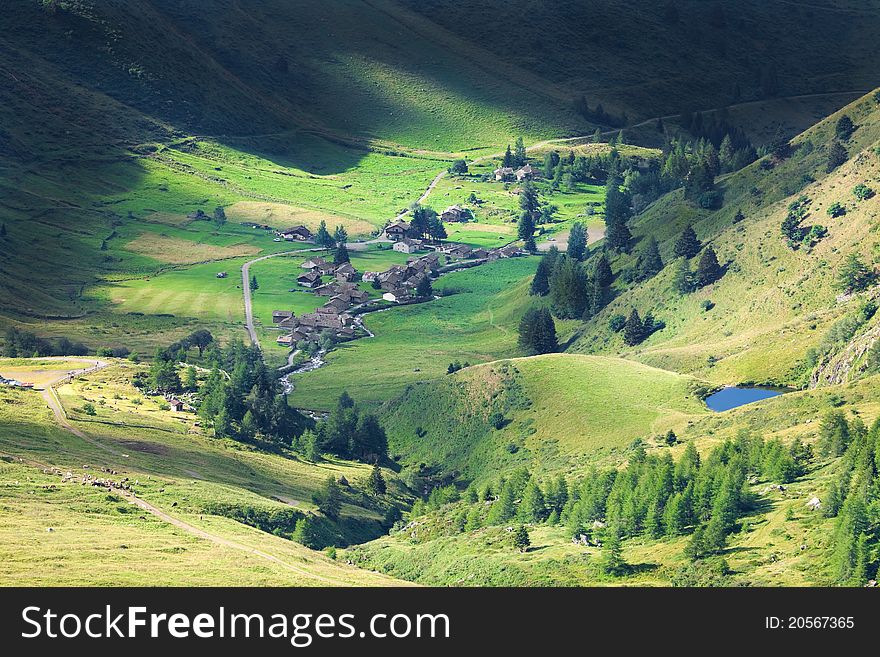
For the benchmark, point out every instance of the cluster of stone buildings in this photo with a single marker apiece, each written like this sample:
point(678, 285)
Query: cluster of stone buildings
point(507, 174)
point(398, 284)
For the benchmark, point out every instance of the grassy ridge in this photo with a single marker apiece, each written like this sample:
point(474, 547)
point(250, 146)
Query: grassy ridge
point(545, 412)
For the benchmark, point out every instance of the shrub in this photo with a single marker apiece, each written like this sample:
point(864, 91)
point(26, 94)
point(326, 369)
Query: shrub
point(863, 192)
point(836, 210)
point(706, 305)
point(616, 323)
point(89, 409)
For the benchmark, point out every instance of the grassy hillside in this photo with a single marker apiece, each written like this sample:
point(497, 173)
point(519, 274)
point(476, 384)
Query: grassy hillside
point(773, 303)
point(781, 543)
point(546, 412)
point(223, 488)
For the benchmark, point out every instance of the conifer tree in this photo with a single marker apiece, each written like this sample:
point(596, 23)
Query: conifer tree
point(507, 162)
point(323, 237)
point(634, 329)
point(532, 508)
point(577, 241)
point(854, 275)
point(602, 273)
point(649, 263)
point(682, 278)
point(687, 245)
point(329, 498)
point(521, 539)
point(376, 482)
point(341, 256)
point(474, 519)
point(612, 551)
point(541, 281)
point(708, 270)
point(424, 289)
point(837, 156)
point(503, 509)
point(519, 153)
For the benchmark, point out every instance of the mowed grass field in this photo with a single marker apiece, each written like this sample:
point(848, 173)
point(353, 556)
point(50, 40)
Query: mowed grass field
point(477, 323)
point(193, 292)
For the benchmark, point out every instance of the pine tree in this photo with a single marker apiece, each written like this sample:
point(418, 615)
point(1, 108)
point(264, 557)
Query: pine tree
point(844, 128)
point(340, 235)
point(602, 273)
point(474, 519)
point(190, 379)
point(708, 269)
point(682, 278)
point(254, 284)
point(541, 280)
point(532, 508)
point(222, 424)
point(854, 275)
point(674, 517)
point(310, 445)
point(329, 498)
point(695, 548)
point(248, 425)
point(376, 482)
point(612, 551)
point(219, 215)
point(340, 256)
point(550, 164)
point(726, 153)
point(634, 329)
point(424, 289)
point(507, 162)
point(526, 231)
point(687, 245)
point(837, 156)
point(568, 288)
point(521, 539)
point(649, 263)
point(519, 153)
point(323, 237)
point(503, 509)
point(577, 241)
point(307, 533)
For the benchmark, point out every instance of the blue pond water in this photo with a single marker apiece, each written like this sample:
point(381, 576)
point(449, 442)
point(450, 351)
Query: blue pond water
point(728, 398)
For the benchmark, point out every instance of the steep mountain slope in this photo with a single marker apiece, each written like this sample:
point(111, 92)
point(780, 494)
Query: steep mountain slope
point(773, 303)
point(112, 112)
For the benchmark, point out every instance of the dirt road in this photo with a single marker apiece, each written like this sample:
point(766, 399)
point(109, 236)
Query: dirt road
point(55, 404)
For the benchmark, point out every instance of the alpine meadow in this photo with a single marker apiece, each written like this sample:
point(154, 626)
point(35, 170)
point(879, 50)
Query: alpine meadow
point(390, 293)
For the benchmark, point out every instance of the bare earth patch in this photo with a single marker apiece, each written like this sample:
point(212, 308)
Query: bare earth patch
point(181, 252)
point(280, 215)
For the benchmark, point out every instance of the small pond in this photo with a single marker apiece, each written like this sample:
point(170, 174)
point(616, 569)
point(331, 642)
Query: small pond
point(734, 396)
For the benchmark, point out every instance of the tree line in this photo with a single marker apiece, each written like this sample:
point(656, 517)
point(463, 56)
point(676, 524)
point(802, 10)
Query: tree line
point(704, 498)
